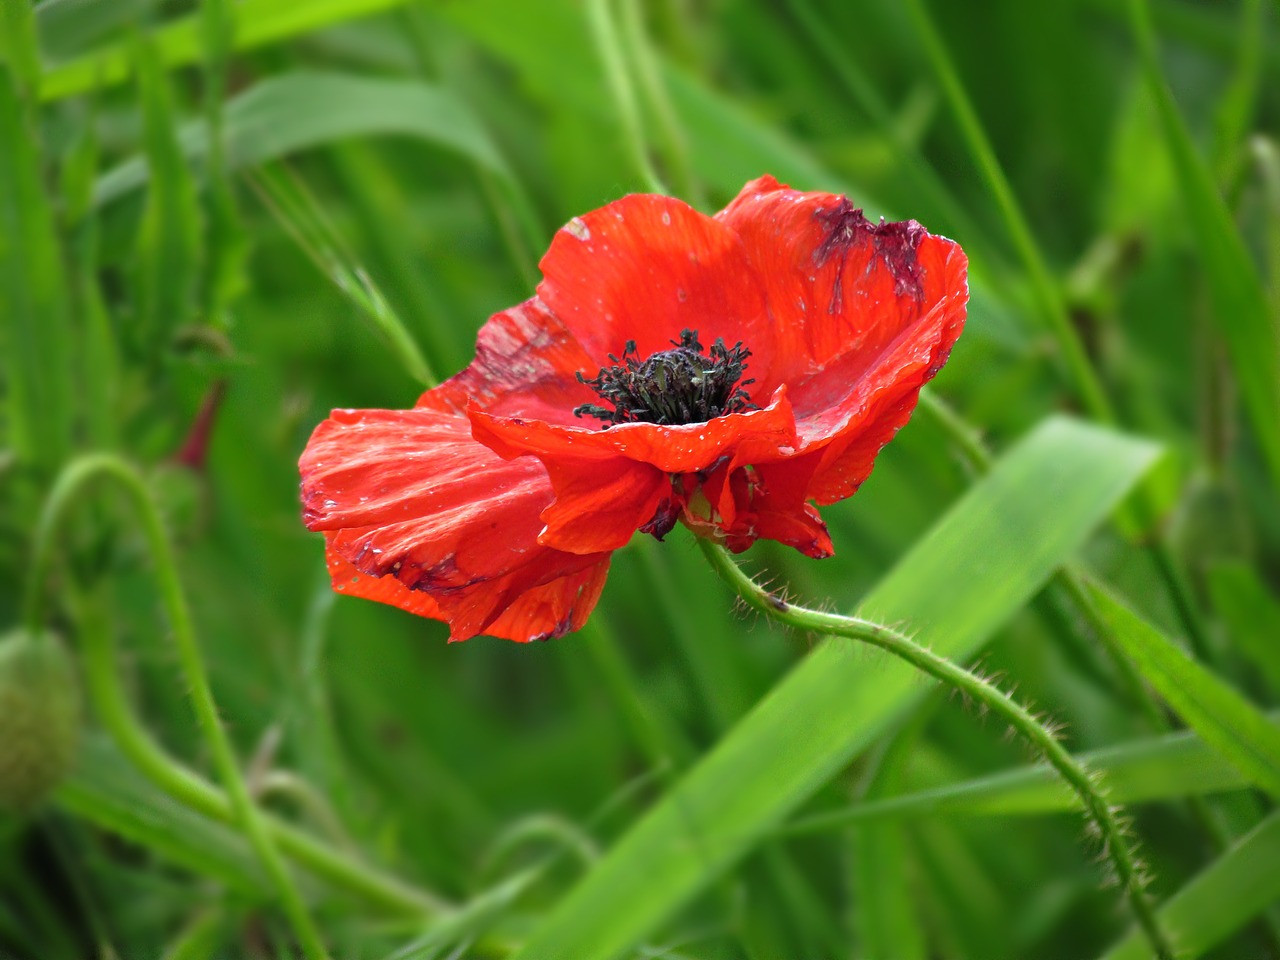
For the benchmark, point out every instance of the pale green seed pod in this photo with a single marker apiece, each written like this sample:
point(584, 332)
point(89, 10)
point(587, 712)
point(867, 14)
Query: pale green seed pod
point(39, 719)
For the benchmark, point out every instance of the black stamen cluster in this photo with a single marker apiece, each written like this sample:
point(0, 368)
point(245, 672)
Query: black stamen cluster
point(683, 385)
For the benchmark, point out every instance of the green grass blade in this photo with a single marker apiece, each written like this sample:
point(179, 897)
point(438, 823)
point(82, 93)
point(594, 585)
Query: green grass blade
point(257, 22)
point(1216, 711)
point(35, 335)
point(1235, 289)
point(303, 109)
point(1225, 896)
point(886, 910)
point(106, 791)
point(1252, 616)
point(168, 250)
point(1166, 767)
point(18, 49)
point(1007, 534)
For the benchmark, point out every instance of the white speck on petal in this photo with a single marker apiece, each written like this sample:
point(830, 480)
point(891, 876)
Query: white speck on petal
point(666, 217)
point(577, 227)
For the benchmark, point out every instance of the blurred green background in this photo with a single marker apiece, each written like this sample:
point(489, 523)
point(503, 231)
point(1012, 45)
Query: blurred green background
point(219, 220)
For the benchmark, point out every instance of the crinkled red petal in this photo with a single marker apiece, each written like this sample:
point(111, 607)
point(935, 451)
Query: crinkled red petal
point(600, 503)
point(409, 495)
point(525, 364)
point(867, 314)
point(682, 448)
point(646, 267)
point(609, 483)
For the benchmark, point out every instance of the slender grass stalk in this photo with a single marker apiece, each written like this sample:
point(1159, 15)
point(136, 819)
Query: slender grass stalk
point(670, 138)
point(1082, 374)
point(297, 211)
point(1239, 101)
point(924, 178)
point(1112, 830)
point(67, 489)
point(1235, 288)
point(605, 34)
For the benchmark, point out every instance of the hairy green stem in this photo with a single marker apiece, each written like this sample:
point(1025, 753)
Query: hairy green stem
point(605, 34)
point(67, 490)
point(1086, 785)
point(193, 791)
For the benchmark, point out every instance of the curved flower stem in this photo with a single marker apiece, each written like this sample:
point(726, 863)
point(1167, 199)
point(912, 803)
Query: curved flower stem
point(1073, 353)
point(1111, 829)
point(605, 33)
point(69, 485)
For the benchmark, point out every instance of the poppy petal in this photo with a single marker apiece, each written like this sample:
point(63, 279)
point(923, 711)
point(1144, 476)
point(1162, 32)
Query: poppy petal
point(408, 495)
point(525, 364)
point(646, 267)
point(680, 448)
point(840, 288)
point(600, 503)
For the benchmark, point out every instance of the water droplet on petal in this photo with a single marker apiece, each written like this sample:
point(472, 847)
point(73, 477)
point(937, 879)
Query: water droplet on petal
point(577, 227)
point(666, 217)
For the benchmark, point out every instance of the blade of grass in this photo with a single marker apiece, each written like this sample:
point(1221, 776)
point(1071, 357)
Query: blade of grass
point(885, 910)
point(1007, 533)
point(1252, 616)
point(604, 34)
point(302, 109)
point(18, 48)
point(298, 212)
point(1082, 375)
point(1151, 769)
point(105, 791)
point(168, 245)
point(1266, 156)
point(35, 334)
point(1235, 289)
point(257, 22)
point(1216, 711)
point(1220, 900)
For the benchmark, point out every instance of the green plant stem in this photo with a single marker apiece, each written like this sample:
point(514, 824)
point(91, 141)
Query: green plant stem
point(671, 141)
point(66, 491)
point(1086, 785)
point(193, 791)
point(1081, 371)
point(605, 34)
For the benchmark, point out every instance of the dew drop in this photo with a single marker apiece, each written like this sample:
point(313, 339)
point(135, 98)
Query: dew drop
point(577, 227)
point(682, 294)
point(666, 217)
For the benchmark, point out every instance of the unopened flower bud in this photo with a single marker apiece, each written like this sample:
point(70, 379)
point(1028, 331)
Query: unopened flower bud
point(39, 719)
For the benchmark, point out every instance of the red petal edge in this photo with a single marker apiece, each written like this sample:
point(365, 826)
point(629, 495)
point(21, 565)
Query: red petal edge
point(419, 515)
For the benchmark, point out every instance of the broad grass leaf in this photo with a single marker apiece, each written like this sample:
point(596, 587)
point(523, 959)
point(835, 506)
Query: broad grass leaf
point(1164, 767)
point(1219, 900)
point(303, 109)
point(1222, 717)
point(959, 584)
point(258, 22)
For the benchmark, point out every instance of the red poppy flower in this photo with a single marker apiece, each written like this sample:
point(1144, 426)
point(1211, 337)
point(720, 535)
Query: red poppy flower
point(729, 372)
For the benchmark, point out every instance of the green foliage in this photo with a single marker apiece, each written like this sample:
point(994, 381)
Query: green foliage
point(219, 220)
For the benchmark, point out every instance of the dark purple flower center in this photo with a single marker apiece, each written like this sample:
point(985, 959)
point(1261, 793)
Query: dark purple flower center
point(682, 385)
